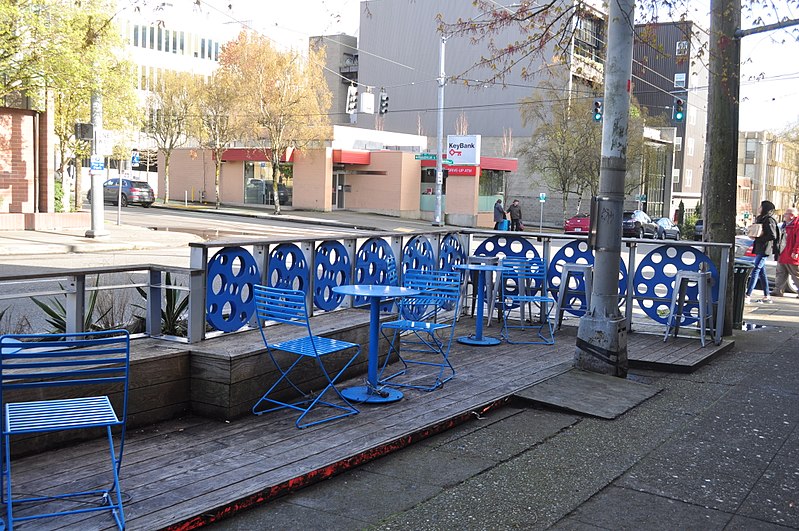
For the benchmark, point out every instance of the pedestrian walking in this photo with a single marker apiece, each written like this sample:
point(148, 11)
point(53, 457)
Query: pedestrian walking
point(515, 212)
point(762, 248)
point(788, 262)
point(499, 214)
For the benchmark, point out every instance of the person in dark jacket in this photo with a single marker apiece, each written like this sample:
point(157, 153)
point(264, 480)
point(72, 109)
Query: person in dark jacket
point(499, 214)
point(515, 212)
point(762, 248)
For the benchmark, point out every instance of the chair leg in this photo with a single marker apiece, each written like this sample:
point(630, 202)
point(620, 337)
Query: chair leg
point(348, 409)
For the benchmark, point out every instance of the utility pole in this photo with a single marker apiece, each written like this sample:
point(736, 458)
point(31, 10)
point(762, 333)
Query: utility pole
point(438, 220)
point(602, 333)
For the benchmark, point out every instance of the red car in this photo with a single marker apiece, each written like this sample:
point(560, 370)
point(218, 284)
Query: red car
point(577, 224)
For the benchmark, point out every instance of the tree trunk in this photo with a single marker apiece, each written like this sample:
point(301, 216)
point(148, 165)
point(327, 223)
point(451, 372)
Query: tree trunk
point(276, 180)
point(166, 176)
point(217, 175)
point(719, 182)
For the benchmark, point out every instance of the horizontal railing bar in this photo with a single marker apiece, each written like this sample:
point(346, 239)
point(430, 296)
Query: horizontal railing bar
point(88, 272)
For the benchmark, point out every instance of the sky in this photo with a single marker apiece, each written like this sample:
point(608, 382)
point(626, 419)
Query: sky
point(769, 68)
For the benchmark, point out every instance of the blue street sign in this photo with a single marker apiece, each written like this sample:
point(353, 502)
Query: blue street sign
point(134, 158)
point(97, 162)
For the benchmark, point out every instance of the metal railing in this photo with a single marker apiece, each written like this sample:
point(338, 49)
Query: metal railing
point(196, 276)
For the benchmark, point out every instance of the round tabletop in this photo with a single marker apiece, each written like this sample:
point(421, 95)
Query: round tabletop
point(481, 267)
point(371, 290)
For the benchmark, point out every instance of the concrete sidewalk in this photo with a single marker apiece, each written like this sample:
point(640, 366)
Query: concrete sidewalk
point(131, 237)
point(716, 449)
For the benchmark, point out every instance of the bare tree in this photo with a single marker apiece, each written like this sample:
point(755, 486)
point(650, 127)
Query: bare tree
point(170, 106)
point(284, 96)
point(218, 125)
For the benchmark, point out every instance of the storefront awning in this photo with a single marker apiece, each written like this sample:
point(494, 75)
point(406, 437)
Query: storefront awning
point(251, 155)
point(486, 163)
point(348, 156)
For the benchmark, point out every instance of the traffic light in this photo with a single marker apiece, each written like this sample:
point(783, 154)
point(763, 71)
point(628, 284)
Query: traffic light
point(383, 109)
point(597, 110)
point(678, 113)
point(352, 99)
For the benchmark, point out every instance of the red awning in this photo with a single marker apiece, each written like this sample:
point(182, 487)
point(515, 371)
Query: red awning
point(250, 155)
point(486, 163)
point(346, 156)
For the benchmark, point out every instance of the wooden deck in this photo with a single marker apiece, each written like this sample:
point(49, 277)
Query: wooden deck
point(186, 472)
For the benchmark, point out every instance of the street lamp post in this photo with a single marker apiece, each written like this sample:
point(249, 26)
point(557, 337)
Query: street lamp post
point(442, 81)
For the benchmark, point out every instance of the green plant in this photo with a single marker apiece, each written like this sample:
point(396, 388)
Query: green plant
point(57, 313)
point(58, 193)
point(9, 326)
point(173, 310)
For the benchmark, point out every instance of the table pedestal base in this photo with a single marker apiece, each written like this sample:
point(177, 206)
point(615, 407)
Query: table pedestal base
point(485, 341)
point(364, 393)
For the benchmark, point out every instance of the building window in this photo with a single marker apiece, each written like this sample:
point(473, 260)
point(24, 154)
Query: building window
point(588, 41)
point(749, 171)
point(682, 48)
point(491, 182)
point(166, 41)
point(689, 149)
point(675, 175)
point(679, 80)
point(135, 35)
point(751, 147)
point(160, 39)
point(689, 177)
point(678, 143)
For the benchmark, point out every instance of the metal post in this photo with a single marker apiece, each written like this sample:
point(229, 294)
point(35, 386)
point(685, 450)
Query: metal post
point(98, 197)
point(602, 333)
point(541, 219)
point(438, 220)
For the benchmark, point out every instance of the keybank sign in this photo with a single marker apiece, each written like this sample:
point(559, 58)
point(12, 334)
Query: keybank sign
point(463, 149)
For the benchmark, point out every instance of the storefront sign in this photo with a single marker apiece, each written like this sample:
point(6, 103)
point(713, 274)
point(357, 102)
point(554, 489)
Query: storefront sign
point(463, 149)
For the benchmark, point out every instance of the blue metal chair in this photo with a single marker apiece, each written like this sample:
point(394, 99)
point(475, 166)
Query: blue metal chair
point(61, 362)
point(524, 283)
point(419, 336)
point(289, 307)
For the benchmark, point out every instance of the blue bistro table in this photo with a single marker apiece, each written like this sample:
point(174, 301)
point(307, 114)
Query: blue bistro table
point(371, 392)
point(478, 338)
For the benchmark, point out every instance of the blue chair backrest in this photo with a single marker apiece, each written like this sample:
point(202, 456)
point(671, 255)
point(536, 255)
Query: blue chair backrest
point(62, 360)
point(281, 305)
point(441, 290)
point(531, 272)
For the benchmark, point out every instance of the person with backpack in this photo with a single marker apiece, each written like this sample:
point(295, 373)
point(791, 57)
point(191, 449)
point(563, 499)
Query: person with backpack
point(788, 262)
point(762, 248)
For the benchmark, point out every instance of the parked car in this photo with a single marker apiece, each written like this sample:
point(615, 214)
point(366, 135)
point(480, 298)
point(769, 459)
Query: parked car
point(260, 191)
point(699, 229)
point(743, 251)
point(132, 192)
point(667, 229)
point(637, 224)
point(577, 224)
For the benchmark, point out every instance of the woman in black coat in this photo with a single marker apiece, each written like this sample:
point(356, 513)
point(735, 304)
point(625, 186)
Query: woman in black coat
point(763, 248)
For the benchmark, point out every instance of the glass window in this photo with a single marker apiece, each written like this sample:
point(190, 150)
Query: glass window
point(682, 48)
point(152, 37)
point(675, 175)
point(689, 148)
point(202, 48)
point(751, 146)
point(166, 40)
point(749, 171)
point(678, 143)
point(491, 182)
point(689, 177)
point(160, 38)
point(136, 35)
point(679, 80)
